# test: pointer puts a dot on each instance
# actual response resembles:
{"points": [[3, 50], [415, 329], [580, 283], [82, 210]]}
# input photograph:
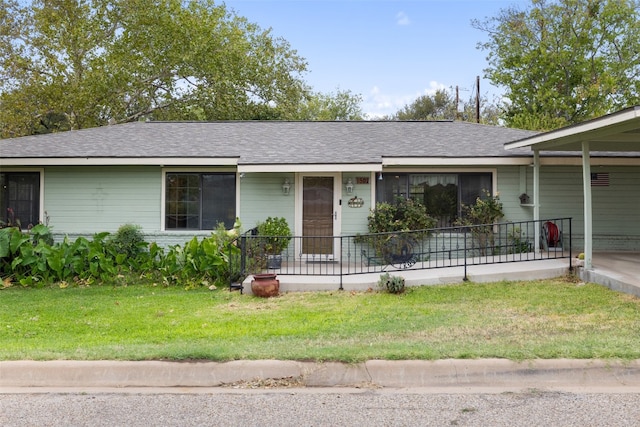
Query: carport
{"points": [[617, 132]]}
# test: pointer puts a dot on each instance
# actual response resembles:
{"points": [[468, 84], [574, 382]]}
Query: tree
{"points": [[489, 111], [442, 106], [439, 106], [342, 105], [73, 64], [564, 61]]}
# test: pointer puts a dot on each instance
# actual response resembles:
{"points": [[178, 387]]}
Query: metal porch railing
{"points": [[400, 251]]}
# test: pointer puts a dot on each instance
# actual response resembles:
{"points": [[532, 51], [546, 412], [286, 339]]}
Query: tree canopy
{"points": [[341, 105], [564, 61], [442, 105], [74, 64]]}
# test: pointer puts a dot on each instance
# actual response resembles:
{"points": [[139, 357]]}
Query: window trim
{"points": [[41, 208], [457, 171], [194, 170]]}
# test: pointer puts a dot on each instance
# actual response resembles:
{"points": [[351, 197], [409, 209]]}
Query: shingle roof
{"points": [[263, 142]]}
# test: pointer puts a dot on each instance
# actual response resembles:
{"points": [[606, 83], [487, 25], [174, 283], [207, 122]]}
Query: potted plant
{"points": [[275, 235]]}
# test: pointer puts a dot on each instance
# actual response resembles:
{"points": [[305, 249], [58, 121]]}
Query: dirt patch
{"points": [[286, 382]]}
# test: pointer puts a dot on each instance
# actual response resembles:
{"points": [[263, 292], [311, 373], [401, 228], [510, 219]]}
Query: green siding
{"points": [[86, 200], [615, 208], [261, 196], [509, 189], [354, 220], [94, 199]]}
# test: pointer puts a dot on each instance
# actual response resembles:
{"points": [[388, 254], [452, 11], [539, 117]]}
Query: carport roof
{"points": [[617, 132]]}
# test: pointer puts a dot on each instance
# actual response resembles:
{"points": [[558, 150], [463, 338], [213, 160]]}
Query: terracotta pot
{"points": [[265, 285]]}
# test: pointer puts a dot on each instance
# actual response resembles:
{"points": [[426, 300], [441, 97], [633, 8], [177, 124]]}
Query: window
{"points": [[20, 198], [200, 201], [443, 194]]}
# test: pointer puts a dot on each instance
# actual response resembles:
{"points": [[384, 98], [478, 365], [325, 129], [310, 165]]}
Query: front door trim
{"points": [[337, 213]]}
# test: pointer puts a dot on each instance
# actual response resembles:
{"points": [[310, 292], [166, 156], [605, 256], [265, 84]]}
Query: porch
{"points": [[488, 252], [619, 271]]}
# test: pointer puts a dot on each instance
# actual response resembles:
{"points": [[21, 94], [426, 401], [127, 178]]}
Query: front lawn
{"points": [[514, 320]]}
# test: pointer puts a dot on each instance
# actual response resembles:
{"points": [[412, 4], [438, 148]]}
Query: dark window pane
{"points": [[218, 200], [200, 201], [473, 186], [20, 194], [182, 201], [440, 196], [392, 186]]}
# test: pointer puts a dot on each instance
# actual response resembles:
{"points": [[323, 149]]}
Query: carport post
{"points": [[588, 220], [536, 200]]}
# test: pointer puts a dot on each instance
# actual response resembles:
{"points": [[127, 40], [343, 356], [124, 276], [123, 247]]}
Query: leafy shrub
{"points": [[32, 262], [277, 232], [487, 210], [403, 215], [41, 233], [396, 228], [27, 258], [129, 240], [392, 284], [518, 241], [202, 262], [23, 253]]}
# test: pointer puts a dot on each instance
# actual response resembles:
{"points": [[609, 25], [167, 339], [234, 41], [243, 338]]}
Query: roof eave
{"points": [[119, 161], [600, 130]]}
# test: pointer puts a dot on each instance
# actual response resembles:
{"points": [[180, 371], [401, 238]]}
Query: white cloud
{"points": [[402, 19], [378, 104], [434, 87]]}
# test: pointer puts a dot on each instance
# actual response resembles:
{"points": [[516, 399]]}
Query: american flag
{"points": [[600, 179]]}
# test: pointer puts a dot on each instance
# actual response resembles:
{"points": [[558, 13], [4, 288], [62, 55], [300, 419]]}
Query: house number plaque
{"points": [[355, 202]]}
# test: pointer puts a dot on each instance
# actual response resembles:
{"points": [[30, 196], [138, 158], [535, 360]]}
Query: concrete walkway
{"points": [[561, 374], [530, 270], [619, 271]]}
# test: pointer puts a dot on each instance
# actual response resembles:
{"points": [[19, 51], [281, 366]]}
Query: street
{"points": [[316, 407]]}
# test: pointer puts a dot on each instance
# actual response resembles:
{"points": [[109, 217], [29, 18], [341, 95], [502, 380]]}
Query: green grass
{"points": [[514, 320]]}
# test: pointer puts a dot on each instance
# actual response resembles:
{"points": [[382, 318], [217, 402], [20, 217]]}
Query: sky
{"points": [[390, 52]]}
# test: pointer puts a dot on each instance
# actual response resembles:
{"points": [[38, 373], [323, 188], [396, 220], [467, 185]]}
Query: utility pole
{"points": [[457, 103], [478, 99]]}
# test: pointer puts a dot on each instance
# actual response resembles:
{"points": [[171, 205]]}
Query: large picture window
{"points": [[200, 201], [443, 194], [19, 199]]}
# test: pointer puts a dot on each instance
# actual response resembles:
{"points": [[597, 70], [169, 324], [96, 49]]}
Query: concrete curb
{"points": [[448, 373], [615, 281]]}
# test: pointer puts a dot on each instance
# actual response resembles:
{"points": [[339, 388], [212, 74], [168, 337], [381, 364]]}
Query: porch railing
{"points": [[399, 251]]}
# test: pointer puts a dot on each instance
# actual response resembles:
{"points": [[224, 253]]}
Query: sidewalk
{"points": [[450, 374]]}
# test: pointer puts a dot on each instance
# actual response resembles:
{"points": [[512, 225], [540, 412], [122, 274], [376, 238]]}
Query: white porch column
{"points": [[536, 198], [588, 218]]}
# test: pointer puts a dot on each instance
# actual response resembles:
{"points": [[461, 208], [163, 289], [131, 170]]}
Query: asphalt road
{"points": [[316, 407]]}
